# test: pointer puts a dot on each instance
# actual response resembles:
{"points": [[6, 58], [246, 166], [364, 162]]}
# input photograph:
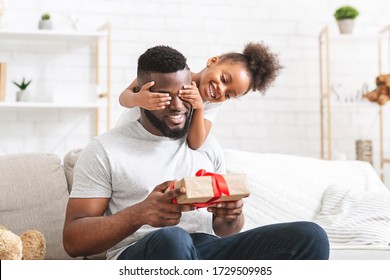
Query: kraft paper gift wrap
{"points": [[201, 190]]}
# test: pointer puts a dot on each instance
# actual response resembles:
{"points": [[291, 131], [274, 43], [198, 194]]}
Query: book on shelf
{"points": [[3, 72]]}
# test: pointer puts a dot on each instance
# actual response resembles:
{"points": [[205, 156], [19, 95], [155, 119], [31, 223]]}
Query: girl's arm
{"points": [[199, 130], [126, 98], [199, 127], [134, 96]]}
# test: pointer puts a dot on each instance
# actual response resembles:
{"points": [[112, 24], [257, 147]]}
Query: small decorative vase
{"points": [[364, 150], [346, 25], [45, 24], [22, 96]]}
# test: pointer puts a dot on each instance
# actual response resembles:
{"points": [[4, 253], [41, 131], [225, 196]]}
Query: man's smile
{"points": [[176, 118]]}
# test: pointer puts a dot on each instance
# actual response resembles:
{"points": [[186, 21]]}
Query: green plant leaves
{"points": [[346, 12], [23, 85]]}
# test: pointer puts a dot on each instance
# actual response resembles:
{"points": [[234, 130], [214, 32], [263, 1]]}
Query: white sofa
{"points": [[347, 198], [34, 193]]}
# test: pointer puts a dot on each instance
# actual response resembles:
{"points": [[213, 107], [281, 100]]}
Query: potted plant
{"points": [[345, 17], [45, 22], [22, 95]]}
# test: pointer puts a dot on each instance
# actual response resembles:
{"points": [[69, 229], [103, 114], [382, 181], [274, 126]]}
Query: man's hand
{"points": [[190, 93], [151, 100], [158, 209], [228, 217], [228, 211]]}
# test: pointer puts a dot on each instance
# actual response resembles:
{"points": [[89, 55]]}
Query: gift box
{"points": [[210, 188]]}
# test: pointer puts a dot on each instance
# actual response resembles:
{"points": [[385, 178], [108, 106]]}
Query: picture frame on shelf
{"points": [[3, 79]]}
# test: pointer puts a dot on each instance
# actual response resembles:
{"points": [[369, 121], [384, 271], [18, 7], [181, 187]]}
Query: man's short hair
{"points": [[161, 59]]}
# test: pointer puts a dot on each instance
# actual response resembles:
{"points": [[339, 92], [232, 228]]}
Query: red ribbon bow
{"points": [[219, 187]]}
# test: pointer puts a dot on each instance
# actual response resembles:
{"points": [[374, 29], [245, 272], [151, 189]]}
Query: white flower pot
{"points": [[45, 24], [22, 96], [346, 25]]}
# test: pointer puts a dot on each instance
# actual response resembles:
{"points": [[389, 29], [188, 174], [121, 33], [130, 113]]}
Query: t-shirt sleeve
{"points": [[128, 115], [211, 110], [92, 174]]}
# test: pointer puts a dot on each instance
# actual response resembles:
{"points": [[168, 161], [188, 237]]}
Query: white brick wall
{"points": [[285, 120]]}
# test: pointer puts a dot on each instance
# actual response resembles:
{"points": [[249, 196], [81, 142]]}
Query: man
{"points": [[119, 204]]}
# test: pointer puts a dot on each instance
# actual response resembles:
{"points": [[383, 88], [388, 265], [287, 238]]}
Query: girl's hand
{"points": [[190, 93], [151, 100]]}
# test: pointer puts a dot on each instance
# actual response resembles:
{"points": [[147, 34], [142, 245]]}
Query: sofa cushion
{"points": [[70, 160], [355, 217], [34, 195]]}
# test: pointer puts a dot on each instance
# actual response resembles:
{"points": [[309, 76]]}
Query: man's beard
{"points": [[176, 133]]}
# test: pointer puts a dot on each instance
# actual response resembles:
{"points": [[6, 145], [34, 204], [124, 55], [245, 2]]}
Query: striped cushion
{"points": [[355, 217]]}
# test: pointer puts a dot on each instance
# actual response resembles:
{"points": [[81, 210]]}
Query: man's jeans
{"points": [[286, 241]]}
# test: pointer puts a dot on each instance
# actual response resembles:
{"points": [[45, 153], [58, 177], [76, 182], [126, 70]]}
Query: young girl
{"points": [[227, 76]]}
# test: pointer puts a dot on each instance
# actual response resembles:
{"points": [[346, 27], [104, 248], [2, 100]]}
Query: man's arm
{"points": [[88, 232]]}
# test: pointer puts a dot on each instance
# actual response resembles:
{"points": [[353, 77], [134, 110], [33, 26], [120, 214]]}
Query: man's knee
{"points": [[312, 231], [173, 243], [314, 239], [174, 236]]}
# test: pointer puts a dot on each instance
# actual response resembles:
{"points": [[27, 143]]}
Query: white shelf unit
{"points": [[43, 105], [95, 38], [50, 35], [327, 105]]}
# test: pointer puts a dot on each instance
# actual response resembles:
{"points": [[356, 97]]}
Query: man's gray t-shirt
{"points": [[127, 163]]}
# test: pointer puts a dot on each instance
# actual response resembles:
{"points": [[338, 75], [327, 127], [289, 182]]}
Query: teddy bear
{"points": [[382, 93], [30, 245]]}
